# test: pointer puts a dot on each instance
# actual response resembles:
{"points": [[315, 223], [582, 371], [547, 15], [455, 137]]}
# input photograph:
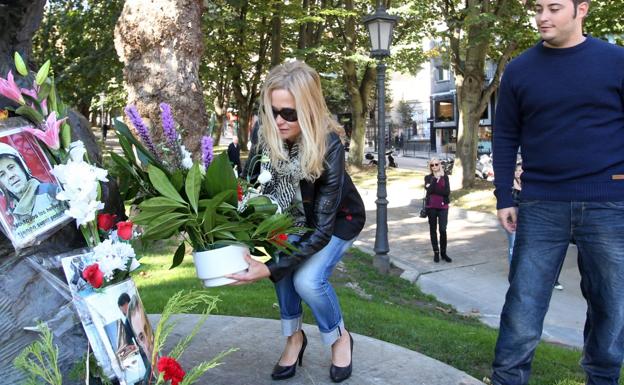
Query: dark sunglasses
{"points": [[434, 164], [288, 114]]}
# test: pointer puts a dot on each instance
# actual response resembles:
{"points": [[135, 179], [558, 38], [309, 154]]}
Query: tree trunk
{"points": [[469, 99], [160, 43], [246, 86], [358, 91], [220, 104], [276, 36]]}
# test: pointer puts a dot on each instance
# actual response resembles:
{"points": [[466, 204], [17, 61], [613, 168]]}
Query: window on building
{"points": [[441, 74], [444, 111]]}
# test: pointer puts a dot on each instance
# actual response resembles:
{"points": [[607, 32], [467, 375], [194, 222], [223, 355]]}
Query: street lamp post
{"points": [[380, 25]]}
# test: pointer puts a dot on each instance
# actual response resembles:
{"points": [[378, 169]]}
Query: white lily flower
{"points": [[80, 182]]}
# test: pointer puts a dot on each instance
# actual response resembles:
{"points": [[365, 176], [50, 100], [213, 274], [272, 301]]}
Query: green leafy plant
{"points": [[179, 303], [40, 360], [200, 200]]}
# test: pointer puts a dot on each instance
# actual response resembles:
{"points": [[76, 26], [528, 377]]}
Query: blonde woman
{"points": [[437, 203], [309, 180]]}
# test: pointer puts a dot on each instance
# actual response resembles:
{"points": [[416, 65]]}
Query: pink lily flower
{"points": [[30, 92], [51, 135], [34, 93], [10, 90]]}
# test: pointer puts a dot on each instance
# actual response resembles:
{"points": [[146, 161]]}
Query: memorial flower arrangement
{"points": [[40, 359], [200, 200], [114, 258], [80, 180], [40, 105]]}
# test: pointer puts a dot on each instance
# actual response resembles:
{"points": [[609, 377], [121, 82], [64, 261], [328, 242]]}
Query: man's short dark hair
{"points": [[577, 2], [124, 298]]}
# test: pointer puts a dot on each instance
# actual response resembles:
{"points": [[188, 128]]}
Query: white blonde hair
{"points": [[434, 160], [314, 118]]}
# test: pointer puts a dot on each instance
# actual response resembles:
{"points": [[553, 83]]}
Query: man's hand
{"points": [[508, 217], [255, 272]]}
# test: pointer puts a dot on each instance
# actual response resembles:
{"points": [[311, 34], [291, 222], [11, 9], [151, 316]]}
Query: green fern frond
{"points": [[40, 360]]}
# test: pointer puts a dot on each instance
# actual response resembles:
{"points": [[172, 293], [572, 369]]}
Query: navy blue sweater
{"points": [[564, 108]]}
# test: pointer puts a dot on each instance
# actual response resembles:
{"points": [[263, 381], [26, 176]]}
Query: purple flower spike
{"points": [[168, 124], [206, 150], [137, 122]]}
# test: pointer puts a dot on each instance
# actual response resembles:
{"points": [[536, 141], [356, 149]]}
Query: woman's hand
{"points": [[255, 272]]}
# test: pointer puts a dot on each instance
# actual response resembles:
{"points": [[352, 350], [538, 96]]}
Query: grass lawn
{"points": [[383, 307]]}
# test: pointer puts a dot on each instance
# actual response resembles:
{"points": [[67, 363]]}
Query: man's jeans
{"points": [[310, 282], [543, 234]]}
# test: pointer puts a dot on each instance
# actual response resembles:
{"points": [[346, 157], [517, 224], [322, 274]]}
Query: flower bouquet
{"points": [[199, 201]]}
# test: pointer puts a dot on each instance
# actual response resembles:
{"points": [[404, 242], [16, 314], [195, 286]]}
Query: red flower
{"points": [[280, 239], [172, 370], [93, 275], [239, 189], [106, 221], [124, 230]]}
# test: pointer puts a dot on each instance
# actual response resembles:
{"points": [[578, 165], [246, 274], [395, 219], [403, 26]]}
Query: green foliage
{"points": [[182, 302], [601, 21], [77, 35], [79, 370], [40, 360], [202, 205], [406, 112]]}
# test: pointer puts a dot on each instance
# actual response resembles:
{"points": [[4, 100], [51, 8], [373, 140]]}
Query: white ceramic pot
{"points": [[212, 265]]}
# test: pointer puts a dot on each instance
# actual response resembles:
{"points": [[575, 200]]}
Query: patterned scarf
{"points": [[284, 183]]}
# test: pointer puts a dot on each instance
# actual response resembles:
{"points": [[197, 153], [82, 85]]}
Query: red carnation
{"points": [[124, 230], [93, 275], [280, 239], [171, 369], [106, 222], [239, 189]]}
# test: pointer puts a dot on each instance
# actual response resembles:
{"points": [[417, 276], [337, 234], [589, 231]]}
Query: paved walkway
{"points": [[375, 362], [476, 281]]}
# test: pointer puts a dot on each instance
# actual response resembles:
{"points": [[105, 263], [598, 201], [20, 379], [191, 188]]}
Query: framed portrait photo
{"points": [[115, 322], [29, 210]]}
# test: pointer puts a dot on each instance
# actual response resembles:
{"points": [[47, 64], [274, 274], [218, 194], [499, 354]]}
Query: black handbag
{"points": [[423, 210]]}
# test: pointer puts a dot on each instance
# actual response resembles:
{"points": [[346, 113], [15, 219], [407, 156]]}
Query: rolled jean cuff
{"points": [[290, 326], [332, 336]]}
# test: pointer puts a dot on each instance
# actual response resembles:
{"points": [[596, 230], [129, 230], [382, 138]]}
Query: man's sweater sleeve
{"points": [[506, 140]]}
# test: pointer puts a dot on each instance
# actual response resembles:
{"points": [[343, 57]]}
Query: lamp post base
{"points": [[382, 263]]}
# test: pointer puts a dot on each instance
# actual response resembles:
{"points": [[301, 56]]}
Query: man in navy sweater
{"points": [[562, 103]]}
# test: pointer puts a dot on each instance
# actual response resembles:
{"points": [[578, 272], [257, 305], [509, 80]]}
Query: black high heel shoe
{"points": [[283, 372], [338, 373]]}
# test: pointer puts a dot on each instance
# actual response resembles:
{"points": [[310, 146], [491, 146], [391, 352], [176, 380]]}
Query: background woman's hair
{"points": [[314, 118]]}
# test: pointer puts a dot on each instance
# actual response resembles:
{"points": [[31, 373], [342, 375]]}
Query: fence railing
{"points": [[411, 147]]}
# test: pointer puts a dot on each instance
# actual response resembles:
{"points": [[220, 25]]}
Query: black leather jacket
{"points": [[332, 206], [434, 188]]}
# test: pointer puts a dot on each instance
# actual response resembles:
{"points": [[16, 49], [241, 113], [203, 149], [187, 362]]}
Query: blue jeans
{"points": [[543, 233], [310, 283]]}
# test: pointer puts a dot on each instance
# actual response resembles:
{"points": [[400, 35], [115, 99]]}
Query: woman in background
{"points": [[437, 203]]}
